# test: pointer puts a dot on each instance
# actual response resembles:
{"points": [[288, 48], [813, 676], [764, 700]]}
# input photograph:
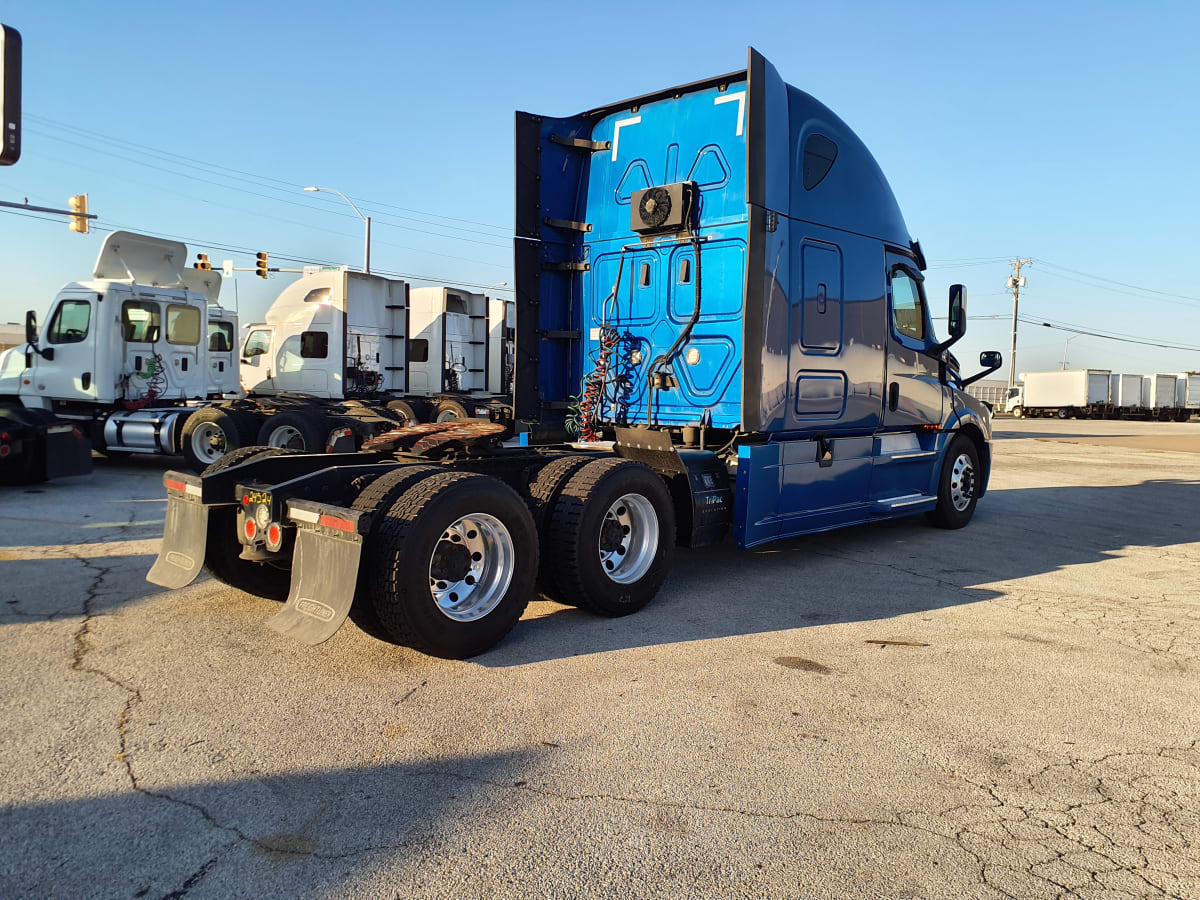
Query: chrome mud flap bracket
{"points": [[329, 542], [185, 533]]}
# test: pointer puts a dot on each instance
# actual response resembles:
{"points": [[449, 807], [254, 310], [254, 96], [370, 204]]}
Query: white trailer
{"points": [[1077, 393], [1187, 392], [1158, 392], [1125, 391]]}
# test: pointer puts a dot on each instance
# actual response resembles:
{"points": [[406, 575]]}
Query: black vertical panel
{"points": [[528, 218], [526, 404]]}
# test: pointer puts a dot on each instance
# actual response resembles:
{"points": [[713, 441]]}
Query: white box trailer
{"points": [[1074, 392], [1158, 391], [1125, 391], [1187, 390]]}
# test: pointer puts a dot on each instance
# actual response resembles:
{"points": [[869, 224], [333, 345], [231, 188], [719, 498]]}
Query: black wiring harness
{"points": [[584, 411], [156, 383]]}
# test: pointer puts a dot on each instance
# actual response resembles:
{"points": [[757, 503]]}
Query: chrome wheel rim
{"points": [[962, 482], [471, 567], [286, 436], [628, 538], [447, 415], [208, 442]]}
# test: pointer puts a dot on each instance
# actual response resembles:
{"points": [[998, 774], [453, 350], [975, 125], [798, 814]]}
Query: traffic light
{"points": [[261, 264], [79, 222], [202, 263]]}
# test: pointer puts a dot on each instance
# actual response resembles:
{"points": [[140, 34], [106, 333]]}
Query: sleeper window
{"points": [[314, 344], [140, 321], [183, 325]]}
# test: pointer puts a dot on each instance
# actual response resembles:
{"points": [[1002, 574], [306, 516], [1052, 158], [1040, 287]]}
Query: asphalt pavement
{"points": [[1009, 710]]}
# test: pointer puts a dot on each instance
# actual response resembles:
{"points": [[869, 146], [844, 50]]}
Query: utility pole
{"points": [[1016, 281]]}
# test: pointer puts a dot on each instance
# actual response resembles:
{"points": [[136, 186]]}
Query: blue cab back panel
{"points": [[793, 214]]}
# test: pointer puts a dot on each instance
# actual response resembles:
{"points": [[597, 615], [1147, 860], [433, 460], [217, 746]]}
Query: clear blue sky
{"points": [[1067, 132]]}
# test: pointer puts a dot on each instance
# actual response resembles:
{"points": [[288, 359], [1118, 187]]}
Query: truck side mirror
{"points": [[958, 311], [31, 334]]}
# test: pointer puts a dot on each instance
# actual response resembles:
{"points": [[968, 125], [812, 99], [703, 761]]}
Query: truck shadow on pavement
{"points": [[55, 587], [162, 838], [873, 572]]}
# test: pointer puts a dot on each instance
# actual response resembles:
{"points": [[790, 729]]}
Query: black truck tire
{"points": [[542, 495], [958, 485], [450, 411], [210, 433], [444, 531], [406, 411], [222, 549], [296, 431], [612, 537], [381, 491]]}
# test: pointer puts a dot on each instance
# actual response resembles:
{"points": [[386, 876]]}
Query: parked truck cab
{"points": [[121, 354], [721, 327]]}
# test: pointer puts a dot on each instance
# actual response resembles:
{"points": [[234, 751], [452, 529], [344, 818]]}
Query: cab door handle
{"points": [[893, 395]]}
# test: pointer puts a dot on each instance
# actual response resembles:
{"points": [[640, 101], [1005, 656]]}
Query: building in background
{"points": [[12, 334]]}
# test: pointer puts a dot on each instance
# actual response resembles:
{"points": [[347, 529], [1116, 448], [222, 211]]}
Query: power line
{"points": [[107, 226], [1110, 337], [1136, 287], [258, 179], [307, 206]]}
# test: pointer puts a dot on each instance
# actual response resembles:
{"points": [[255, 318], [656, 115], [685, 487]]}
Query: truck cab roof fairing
{"points": [[851, 194]]}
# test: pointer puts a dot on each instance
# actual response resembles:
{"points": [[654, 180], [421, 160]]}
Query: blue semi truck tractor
{"points": [[721, 326]]}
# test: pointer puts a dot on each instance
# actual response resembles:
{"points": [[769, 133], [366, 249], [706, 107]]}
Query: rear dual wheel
{"points": [[450, 566], [210, 433], [611, 538], [295, 431]]}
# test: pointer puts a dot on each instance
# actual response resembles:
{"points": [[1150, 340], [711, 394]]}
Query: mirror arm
{"points": [[983, 374]]}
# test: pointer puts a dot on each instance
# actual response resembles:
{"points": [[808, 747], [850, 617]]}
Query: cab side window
{"points": [[908, 306], [70, 323], [258, 343]]}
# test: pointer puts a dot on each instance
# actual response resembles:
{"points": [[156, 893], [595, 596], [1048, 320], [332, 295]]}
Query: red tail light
{"points": [[250, 529]]}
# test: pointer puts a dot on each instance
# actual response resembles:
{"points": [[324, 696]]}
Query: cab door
{"points": [[256, 372], [222, 364], [70, 334], [913, 397], [141, 333]]}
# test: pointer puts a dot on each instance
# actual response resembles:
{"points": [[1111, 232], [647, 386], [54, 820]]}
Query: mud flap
{"points": [[329, 544], [185, 534]]}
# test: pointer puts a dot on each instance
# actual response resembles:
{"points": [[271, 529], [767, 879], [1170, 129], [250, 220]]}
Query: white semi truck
{"points": [[141, 359]]}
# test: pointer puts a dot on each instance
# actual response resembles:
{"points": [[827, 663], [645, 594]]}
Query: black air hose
{"points": [[679, 341]]}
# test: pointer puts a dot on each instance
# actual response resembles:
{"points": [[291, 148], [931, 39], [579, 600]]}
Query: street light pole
{"points": [[366, 220], [1066, 344]]}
